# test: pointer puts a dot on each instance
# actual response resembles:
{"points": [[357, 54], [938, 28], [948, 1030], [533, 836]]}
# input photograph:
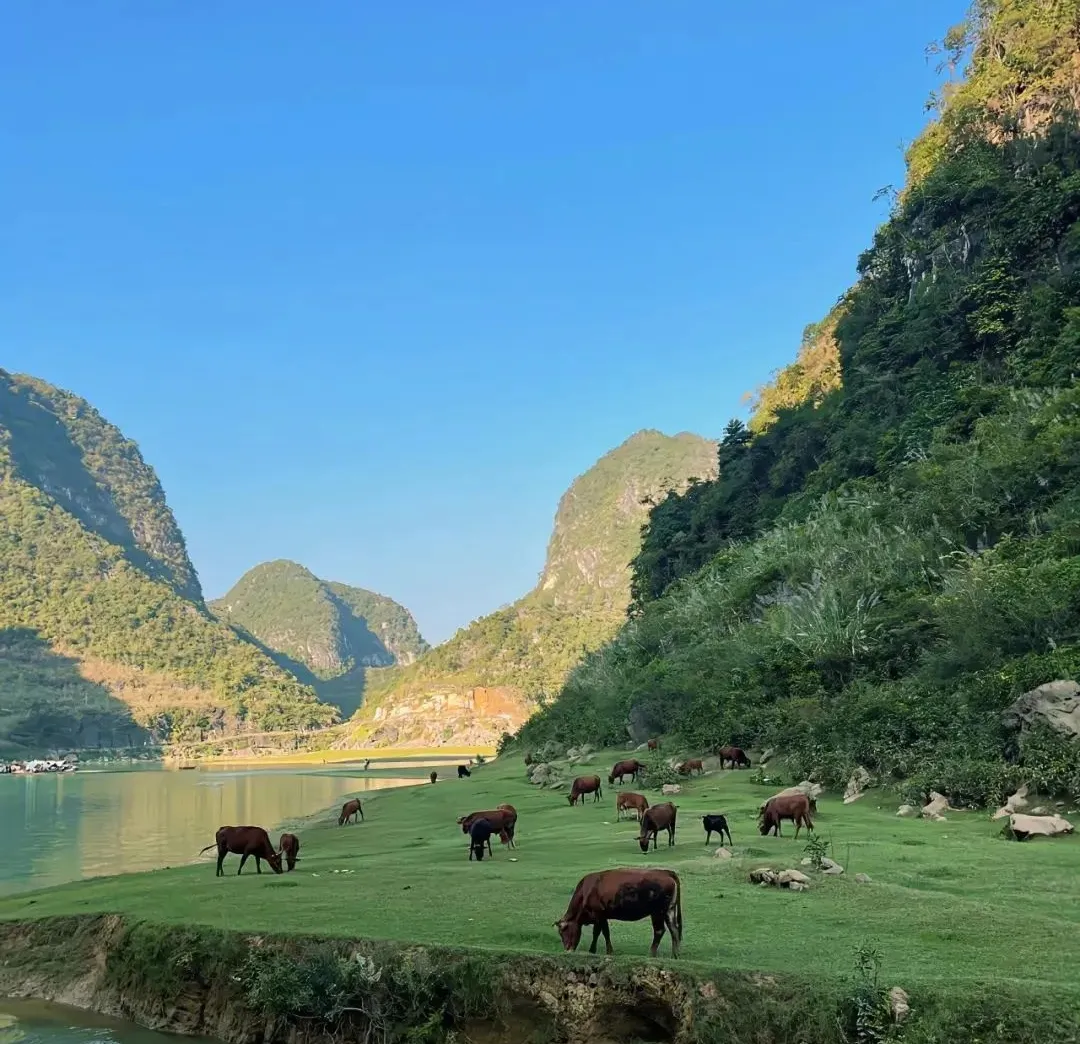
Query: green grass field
{"points": [[948, 902]]}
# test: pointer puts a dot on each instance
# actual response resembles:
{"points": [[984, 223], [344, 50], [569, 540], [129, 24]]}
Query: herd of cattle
{"points": [[609, 895]]}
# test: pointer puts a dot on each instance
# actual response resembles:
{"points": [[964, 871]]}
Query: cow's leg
{"points": [[243, 860], [360, 812], [671, 835], [675, 940], [258, 865], [607, 937], [595, 937], [221, 853], [658, 919], [708, 834]]}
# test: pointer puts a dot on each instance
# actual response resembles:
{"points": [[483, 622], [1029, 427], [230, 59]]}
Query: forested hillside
{"points": [[891, 552], [491, 674], [326, 634], [104, 639]]}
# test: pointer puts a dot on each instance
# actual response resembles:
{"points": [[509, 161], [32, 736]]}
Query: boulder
{"points": [[766, 756], [641, 746], [763, 875], [898, 1004], [787, 877], [862, 878], [860, 780], [1016, 803], [1056, 704], [1022, 827], [937, 804], [797, 886], [812, 790], [907, 811], [541, 774], [829, 866], [722, 853], [671, 788]]}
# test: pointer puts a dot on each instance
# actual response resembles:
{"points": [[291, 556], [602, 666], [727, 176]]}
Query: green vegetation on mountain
{"points": [[581, 598], [103, 634], [883, 566], [327, 634]]}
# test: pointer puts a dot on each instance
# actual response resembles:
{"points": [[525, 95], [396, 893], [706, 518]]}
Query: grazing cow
{"points": [[632, 802], [655, 819], [688, 768], [528, 760], [795, 807], [349, 811], [503, 822], [434, 776], [736, 755], [289, 846], [624, 895], [480, 832], [717, 824], [463, 771], [653, 744], [244, 841], [629, 768], [367, 764], [585, 785]]}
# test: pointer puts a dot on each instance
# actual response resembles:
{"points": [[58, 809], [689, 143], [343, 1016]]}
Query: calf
{"points": [[289, 845], [463, 771], [736, 755], [349, 811], [632, 802], [480, 832], [655, 819], [244, 841], [717, 824], [585, 785], [653, 744], [434, 776], [688, 768], [624, 895], [795, 807], [629, 768], [503, 822]]}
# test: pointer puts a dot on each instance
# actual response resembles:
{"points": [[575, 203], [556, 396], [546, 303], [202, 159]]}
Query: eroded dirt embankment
{"points": [[244, 989]]}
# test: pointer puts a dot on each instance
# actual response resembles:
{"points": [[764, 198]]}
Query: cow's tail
{"points": [[207, 848], [678, 909]]}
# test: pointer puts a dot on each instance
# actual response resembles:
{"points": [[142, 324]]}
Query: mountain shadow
{"points": [[46, 704]]}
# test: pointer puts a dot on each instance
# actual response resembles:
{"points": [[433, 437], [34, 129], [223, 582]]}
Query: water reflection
{"points": [[62, 827], [35, 1022]]}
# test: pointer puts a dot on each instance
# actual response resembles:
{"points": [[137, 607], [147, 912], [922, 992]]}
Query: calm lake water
{"points": [[34, 1022], [62, 827]]}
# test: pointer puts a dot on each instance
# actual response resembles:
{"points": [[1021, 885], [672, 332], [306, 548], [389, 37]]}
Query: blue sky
{"points": [[370, 284]]}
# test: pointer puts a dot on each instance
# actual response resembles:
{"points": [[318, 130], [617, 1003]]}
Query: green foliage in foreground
{"points": [[943, 905]]}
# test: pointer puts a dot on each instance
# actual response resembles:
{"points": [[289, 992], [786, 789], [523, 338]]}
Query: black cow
{"points": [[463, 771], [717, 824]]}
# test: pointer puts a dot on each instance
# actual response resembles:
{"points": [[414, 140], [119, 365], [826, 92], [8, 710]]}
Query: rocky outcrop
{"points": [[1056, 704], [1022, 827]]}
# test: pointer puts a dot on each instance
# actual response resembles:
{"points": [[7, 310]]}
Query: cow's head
{"points": [[644, 842], [611, 777], [274, 859], [572, 798], [570, 932]]}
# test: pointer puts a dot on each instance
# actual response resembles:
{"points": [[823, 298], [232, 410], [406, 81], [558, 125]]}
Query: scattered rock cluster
{"points": [[793, 880]]}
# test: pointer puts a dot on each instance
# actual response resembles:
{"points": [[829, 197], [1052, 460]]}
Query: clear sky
{"points": [[371, 283]]}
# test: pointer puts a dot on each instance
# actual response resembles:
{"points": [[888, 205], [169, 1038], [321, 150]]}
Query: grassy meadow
{"points": [[947, 903]]}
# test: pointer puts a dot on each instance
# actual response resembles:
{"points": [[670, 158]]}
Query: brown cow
{"points": [[629, 768], [585, 785], [349, 811], [244, 841], [624, 895], [653, 744], [434, 776], [503, 821], [736, 755], [795, 807], [655, 819], [289, 846], [688, 768], [632, 802]]}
